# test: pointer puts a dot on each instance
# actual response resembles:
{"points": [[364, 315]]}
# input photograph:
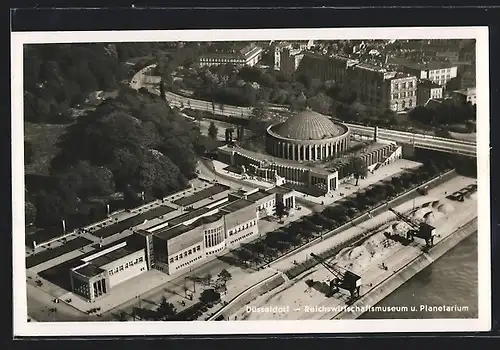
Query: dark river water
{"points": [[450, 281]]}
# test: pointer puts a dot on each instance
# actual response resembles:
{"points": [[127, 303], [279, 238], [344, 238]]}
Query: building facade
{"points": [[250, 55], [373, 85], [465, 95], [98, 273], [428, 90], [307, 136], [437, 72], [303, 151]]}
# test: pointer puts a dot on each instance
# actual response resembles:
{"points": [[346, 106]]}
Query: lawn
{"points": [[43, 138]]}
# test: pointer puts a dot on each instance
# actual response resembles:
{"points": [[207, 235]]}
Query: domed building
{"points": [[307, 136]]}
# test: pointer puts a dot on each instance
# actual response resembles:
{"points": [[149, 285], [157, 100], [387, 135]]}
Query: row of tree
{"points": [[299, 232]]}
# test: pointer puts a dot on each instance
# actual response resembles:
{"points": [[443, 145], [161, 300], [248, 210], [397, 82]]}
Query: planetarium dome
{"points": [[308, 125], [307, 136]]}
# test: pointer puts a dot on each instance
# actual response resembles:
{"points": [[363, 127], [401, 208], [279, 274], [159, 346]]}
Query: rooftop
{"points": [[308, 125], [236, 205], [200, 195], [429, 84], [193, 214], [89, 270], [111, 256], [432, 65], [258, 195], [132, 221], [171, 232], [279, 190]]}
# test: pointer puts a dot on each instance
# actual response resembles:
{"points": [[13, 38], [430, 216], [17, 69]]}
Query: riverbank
{"points": [[405, 273]]}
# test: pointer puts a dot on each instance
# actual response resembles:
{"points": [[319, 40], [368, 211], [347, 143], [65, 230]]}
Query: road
{"points": [[419, 140]]}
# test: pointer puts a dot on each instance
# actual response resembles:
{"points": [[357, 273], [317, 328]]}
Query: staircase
{"points": [[387, 159]]}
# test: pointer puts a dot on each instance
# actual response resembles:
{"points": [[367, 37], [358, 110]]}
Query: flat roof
{"points": [[188, 216], [200, 195], [257, 195], [279, 190], [171, 232], [111, 256], [89, 270], [132, 221], [237, 205]]}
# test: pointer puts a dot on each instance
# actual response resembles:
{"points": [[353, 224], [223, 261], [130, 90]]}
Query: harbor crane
{"points": [[342, 278], [418, 228]]}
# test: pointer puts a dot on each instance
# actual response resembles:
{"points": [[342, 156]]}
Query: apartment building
{"points": [[374, 86], [437, 72], [465, 95], [428, 90]]}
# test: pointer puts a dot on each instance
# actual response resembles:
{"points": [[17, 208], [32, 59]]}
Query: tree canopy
{"points": [[133, 143]]}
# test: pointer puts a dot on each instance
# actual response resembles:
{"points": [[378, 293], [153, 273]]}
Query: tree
{"points": [[212, 131], [358, 168], [258, 117], [209, 296], [29, 213], [165, 311], [225, 275], [281, 210]]}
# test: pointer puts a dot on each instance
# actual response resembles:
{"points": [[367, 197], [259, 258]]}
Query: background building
{"points": [[373, 85], [437, 72], [465, 95], [428, 90], [249, 55]]}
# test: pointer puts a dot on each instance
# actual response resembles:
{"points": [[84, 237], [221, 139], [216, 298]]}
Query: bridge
{"points": [[417, 140]]}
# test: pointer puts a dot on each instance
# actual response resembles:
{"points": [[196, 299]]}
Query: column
{"points": [[303, 152], [293, 152]]}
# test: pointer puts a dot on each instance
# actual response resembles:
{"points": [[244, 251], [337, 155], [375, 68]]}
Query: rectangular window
{"points": [[176, 258], [140, 259], [198, 248], [126, 265], [185, 254], [121, 268], [110, 272], [171, 260], [116, 269]]}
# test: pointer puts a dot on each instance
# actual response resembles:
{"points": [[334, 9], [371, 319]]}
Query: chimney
{"points": [[375, 134], [63, 226], [107, 209]]}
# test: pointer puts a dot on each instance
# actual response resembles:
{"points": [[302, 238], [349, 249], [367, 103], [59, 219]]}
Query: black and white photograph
{"points": [[257, 181]]}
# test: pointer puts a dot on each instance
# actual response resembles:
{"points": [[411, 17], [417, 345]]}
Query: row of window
{"points": [[404, 94], [242, 227], [242, 237], [266, 205], [213, 230], [188, 263], [185, 254], [215, 251], [403, 104], [437, 71], [126, 266], [405, 85]]}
